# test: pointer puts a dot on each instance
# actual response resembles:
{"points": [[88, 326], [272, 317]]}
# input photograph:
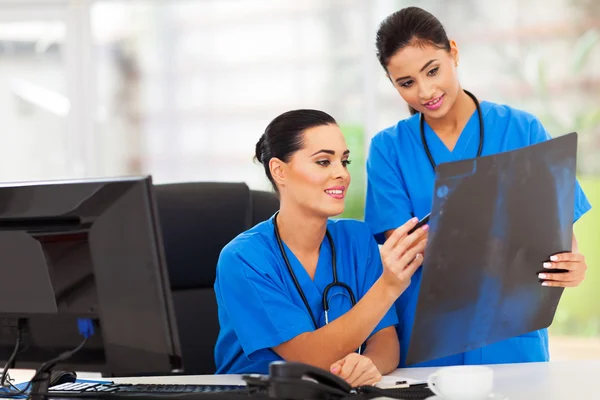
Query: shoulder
{"points": [[248, 247], [398, 132], [515, 121], [504, 111]]}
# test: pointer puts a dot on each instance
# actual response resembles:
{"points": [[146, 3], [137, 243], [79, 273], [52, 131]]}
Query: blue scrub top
{"points": [[400, 186], [259, 305]]}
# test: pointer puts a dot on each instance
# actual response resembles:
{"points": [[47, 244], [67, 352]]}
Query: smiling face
{"points": [[425, 76], [316, 177]]}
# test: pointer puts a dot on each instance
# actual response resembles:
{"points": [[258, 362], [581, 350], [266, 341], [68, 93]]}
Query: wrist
{"points": [[391, 287], [381, 362]]}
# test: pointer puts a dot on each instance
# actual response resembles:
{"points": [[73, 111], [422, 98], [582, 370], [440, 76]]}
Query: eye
{"points": [[345, 163], [406, 84], [433, 72], [323, 163]]}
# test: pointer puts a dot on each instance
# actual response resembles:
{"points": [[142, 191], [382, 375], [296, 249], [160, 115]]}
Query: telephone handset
{"points": [[291, 380]]}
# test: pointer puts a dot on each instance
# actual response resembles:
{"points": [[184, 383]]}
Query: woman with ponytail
{"points": [[447, 124], [301, 287]]}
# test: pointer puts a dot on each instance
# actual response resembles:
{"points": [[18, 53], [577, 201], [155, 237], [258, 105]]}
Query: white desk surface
{"points": [[556, 380]]}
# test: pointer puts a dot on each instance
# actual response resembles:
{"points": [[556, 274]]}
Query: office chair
{"points": [[197, 220], [264, 205]]}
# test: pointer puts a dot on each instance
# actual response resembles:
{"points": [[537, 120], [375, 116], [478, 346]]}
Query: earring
{"points": [[457, 63]]}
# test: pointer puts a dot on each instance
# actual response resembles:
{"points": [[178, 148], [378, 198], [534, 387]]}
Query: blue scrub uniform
{"points": [[400, 186], [259, 305]]}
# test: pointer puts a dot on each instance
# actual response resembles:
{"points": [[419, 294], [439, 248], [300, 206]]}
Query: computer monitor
{"points": [[86, 249]]}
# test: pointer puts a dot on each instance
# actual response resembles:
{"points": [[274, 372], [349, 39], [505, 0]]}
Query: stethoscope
{"points": [[426, 146], [327, 288]]}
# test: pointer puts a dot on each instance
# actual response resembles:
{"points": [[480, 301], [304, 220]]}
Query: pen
{"points": [[419, 224]]}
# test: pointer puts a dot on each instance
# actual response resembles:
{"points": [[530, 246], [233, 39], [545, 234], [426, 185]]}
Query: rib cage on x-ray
{"points": [[494, 221]]}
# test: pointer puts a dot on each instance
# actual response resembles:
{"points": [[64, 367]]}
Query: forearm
{"points": [[384, 350], [345, 334]]}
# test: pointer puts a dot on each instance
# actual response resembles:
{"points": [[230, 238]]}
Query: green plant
{"points": [[579, 309], [355, 198]]}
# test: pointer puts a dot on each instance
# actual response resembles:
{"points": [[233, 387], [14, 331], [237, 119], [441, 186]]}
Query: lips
{"points": [[336, 192], [435, 103]]}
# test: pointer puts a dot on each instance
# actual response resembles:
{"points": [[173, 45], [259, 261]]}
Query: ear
{"points": [[454, 52], [278, 171]]}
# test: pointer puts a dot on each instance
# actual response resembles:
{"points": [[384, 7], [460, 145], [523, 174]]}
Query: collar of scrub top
{"points": [[481, 131]]}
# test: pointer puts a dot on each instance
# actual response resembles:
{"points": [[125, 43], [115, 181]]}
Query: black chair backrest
{"points": [[264, 205], [198, 219]]}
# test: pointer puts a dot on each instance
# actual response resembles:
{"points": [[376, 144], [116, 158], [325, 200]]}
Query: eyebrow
{"points": [[422, 69], [329, 152]]}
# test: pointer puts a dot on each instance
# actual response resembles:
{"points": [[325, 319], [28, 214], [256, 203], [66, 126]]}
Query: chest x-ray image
{"points": [[494, 221]]}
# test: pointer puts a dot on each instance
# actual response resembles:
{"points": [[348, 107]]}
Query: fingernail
{"points": [[554, 258], [547, 265], [544, 283], [414, 219], [542, 276], [334, 370], [425, 228]]}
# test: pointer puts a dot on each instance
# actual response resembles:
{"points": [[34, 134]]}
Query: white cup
{"points": [[462, 382]]}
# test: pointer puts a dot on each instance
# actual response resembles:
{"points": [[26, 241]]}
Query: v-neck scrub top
{"points": [[259, 305], [400, 181]]}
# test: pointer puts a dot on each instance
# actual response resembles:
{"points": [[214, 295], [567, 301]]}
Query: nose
{"points": [[426, 91], [341, 172]]}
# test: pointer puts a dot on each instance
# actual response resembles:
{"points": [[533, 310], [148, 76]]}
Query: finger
{"points": [[408, 242], [369, 377], [561, 277], [414, 265], [362, 367], [336, 367], [561, 284], [425, 236], [372, 381], [348, 367], [399, 233], [408, 263], [411, 254], [566, 257], [567, 265], [424, 240]]}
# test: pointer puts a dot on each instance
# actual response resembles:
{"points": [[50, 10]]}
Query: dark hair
{"points": [[409, 26], [284, 136]]}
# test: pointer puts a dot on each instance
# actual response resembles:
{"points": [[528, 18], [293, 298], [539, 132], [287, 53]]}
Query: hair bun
{"points": [[259, 151]]}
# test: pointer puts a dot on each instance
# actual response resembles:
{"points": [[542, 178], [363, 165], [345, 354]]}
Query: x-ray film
{"points": [[494, 221]]}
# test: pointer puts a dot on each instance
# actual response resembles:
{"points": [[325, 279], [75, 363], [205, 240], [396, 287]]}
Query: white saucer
{"points": [[492, 396]]}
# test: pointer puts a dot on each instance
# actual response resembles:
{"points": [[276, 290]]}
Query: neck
{"points": [[452, 124], [302, 233]]}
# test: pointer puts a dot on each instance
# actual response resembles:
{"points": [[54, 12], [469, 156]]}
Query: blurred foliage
{"points": [[586, 120], [355, 198], [578, 313], [558, 115]]}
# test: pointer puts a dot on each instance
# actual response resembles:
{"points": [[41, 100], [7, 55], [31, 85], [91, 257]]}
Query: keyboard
{"points": [[109, 387]]}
